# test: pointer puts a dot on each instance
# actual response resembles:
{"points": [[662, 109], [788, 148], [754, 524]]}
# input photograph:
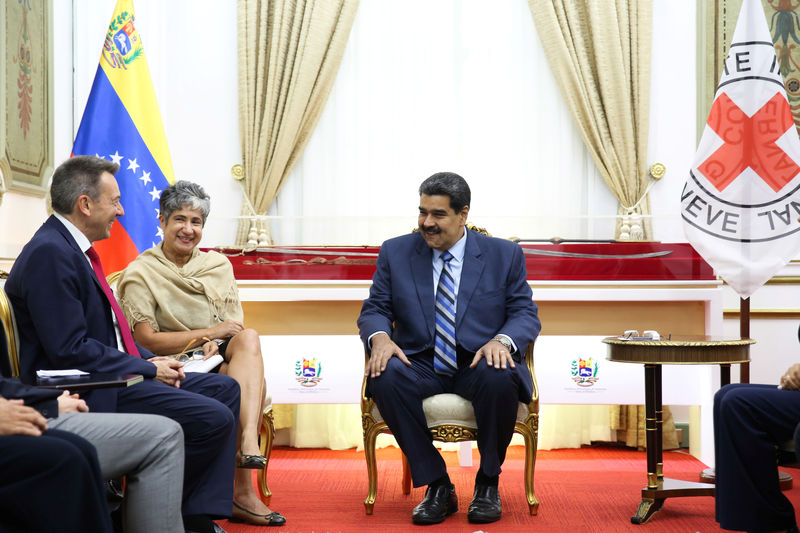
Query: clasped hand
{"points": [[791, 379], [169, 370], [16, 418]]}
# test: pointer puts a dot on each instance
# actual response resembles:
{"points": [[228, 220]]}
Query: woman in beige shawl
{"points": [[177, 298]]}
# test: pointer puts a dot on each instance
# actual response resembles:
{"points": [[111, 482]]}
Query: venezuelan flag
{"points": [[122, 123]]}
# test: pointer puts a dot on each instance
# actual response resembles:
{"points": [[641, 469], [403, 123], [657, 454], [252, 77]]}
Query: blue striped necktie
{"points": [[444, 358]]}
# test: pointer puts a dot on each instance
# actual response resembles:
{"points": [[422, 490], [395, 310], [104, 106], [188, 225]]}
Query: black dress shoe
{"points": [[485, 505], [439, 502]]}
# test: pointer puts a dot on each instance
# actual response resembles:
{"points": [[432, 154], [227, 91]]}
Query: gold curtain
{"points": [[629, 422], [289, 54], [599, 52]]}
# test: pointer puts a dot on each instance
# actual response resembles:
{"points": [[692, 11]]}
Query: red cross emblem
{"points": [[750, 142]]}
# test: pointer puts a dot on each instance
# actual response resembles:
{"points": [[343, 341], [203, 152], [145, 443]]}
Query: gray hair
{"points": [[184, 195], [448, 184], [75, 177]]}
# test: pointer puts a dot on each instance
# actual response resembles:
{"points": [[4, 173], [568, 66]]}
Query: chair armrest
{"points": [[533, 406]]}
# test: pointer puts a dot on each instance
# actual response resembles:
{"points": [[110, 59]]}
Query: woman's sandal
{"points": [[249, 517], [251, 461]]}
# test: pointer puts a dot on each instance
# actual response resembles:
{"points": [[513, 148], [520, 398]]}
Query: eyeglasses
{"points": [[189, 354]]}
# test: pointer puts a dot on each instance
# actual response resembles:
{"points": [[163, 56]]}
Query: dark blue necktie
{"points": [[444, 359]]}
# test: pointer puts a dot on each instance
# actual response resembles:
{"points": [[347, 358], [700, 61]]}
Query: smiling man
{"points": [[69, 318], [449, 310]]}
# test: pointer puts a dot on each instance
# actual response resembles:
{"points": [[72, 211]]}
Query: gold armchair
{"points": [[266, 435], [451, 419], [9, 363]]}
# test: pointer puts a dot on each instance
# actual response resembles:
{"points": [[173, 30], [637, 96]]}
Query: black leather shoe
{"points": [[439, 502], [485, 505]]}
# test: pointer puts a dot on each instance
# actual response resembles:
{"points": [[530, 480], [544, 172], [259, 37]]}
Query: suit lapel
{"points": [[422, 271], [471, 272], [56, 224]]}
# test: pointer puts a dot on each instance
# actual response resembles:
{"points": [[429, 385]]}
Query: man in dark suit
{"points": [[749, 421], [45, 431], [449, 310], [66, 320], [68, 497]]}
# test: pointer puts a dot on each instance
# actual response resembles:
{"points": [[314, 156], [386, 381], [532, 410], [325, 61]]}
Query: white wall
{"points": [[672, 110]]}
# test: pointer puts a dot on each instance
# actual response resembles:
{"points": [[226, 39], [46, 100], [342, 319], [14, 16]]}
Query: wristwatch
{"points": [[505, 342]]}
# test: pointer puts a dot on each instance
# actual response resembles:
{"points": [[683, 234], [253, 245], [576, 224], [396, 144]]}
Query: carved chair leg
{"points": [[529, 433], [406, 476], [370, 436], [266, 436]]}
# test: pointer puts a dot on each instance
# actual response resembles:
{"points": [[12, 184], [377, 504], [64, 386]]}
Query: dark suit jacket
{"points": [[493, 297], [63, 315]]}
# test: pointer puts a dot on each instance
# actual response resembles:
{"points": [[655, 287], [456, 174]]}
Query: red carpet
{"points": [[589, 489]]}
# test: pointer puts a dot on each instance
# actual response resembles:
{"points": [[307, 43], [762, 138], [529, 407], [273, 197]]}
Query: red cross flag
{"points": [[741, 202]]}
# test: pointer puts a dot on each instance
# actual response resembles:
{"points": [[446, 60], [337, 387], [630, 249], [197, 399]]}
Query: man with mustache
{"points": [[449, 310]]}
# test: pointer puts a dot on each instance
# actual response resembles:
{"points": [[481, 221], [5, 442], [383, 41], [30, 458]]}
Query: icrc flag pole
{"points": [[122, 123], [741, 201]]}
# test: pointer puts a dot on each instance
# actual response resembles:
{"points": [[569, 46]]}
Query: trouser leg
{"points": [[494, 394], [51, 483], [748, 421], [207, 408], [148, 450], [398, 393]]}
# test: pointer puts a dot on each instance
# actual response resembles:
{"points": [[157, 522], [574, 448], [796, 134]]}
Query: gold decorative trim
{"points": [[784, 280], [650, 362], [658, 170], [780, 280], [237, 172], [689, 351], [469, 225], [763, 313], [679, 343], [5, 170], [453, 433], [482, 231], [7, 323]]}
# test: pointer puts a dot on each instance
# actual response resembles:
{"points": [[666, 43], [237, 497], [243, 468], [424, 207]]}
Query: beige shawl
{"points": [[199, 295]]}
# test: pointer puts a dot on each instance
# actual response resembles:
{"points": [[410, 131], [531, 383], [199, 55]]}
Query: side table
{"points": [[677, 350]]}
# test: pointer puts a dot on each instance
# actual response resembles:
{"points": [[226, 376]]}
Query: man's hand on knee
{"points": [[383, 349], [496, 355]]}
